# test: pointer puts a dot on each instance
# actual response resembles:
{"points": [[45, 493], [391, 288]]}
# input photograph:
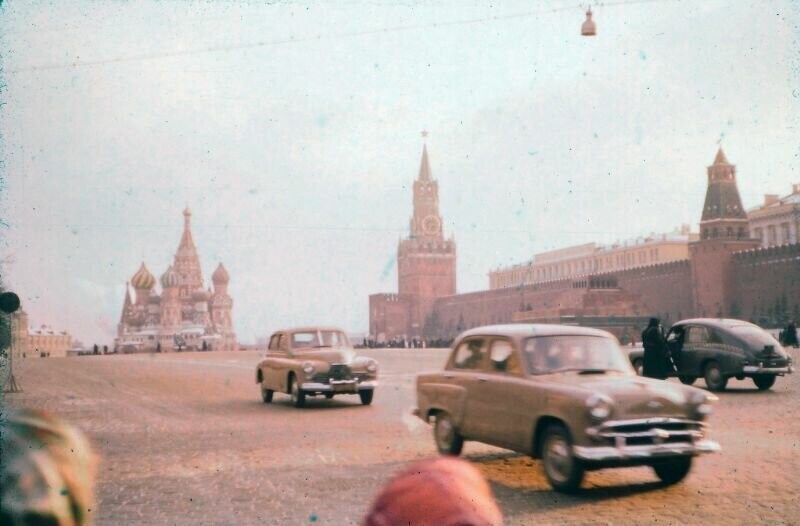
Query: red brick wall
{"points": [[712, 274], [498, 305], [388, 315], [766, 284], [665, 289]]}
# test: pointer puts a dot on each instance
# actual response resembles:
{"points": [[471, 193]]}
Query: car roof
{"points": [[309, 329], [522, 330], [719, 323]]}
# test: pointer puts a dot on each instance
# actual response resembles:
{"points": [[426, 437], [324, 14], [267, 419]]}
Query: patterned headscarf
{"points": [[46, 473], [441, 492]]}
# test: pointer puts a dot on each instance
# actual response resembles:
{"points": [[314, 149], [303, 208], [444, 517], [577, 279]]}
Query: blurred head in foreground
{"points": [[46, 472], [443, 492]]}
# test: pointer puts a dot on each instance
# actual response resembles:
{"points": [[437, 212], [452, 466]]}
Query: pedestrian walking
{"points": [[656, 359]]}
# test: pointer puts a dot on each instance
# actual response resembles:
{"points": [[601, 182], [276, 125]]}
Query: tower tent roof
{"points": [[424, 166], [720, 158], [722, 195]]}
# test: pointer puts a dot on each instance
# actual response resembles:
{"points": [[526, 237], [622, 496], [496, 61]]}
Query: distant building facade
{"points": [[42, 342], [47, 342], [777, 221], [722, 271], [580, 260], [185, 315], [19, 334]]}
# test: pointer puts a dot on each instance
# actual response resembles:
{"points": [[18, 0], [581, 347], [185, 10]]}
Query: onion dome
{"points": [[143, 279], [169, 279], [220, 276]]}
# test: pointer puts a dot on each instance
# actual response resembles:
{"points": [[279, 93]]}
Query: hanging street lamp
{"points": [[588, 28]]}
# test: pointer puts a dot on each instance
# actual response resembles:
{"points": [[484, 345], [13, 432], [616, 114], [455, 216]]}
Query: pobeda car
{"points": [[720, 349], [567, 395], [315, 361]]}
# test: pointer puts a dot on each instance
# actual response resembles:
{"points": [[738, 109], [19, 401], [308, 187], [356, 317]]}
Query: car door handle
{"points": [[483, 379], [449, 376]]}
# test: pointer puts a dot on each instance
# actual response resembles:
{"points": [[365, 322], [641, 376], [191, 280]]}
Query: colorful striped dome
{"points": [[143, 279], [169, 279]]}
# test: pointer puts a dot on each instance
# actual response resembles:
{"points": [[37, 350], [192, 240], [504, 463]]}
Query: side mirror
{"points": [[9, 302]]}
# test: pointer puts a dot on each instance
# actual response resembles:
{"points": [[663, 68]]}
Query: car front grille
{"points": [[337, 372], [649, 432]]}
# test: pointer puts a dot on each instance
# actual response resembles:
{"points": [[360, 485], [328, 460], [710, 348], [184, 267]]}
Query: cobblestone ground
{"points": [[185, 439]]}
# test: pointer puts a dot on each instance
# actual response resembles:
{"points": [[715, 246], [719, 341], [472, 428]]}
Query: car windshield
{"points": [[552, 354], [754, 336], [323, 338]]}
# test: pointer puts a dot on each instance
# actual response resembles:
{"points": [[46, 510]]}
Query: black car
{"points": [[720, 349]]}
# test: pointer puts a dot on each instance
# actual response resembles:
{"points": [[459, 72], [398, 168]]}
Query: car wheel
{"points": [[715, 380], [562, 469], [298, 395], [687, 379], [638, 365], [366, 396], [328, 395], [764, 381], [448, 441], [266, 395], [673, 471]]}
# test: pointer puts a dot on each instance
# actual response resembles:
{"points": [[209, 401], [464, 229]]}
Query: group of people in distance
{"points": [[48, 471]]}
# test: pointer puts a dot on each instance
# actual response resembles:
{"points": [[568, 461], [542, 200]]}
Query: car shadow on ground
{"points": [[743, 391], [284, 403], [519, 480]]}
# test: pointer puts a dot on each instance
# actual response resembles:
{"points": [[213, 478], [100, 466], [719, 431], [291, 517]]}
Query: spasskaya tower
{"points": [[426, 261]]}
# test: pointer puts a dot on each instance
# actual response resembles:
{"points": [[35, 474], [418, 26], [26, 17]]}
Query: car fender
{"points": [[449, 398]]}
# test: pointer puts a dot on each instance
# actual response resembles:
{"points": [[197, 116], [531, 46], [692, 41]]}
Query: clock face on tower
{"points": [[431, 225]]}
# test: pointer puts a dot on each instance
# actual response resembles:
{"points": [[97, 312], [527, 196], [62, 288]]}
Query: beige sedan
{"points": [[315, 361], [567, 395]]}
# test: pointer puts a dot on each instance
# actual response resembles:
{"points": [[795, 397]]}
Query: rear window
{"points": [[754, 336]]}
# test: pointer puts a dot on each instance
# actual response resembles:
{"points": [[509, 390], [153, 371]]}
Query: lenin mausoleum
{"points": [[724, 271], [185, 315]]}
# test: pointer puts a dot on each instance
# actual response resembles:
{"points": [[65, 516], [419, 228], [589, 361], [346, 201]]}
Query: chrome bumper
{"points": [[340, 386], [757, 369], [622, 452]]}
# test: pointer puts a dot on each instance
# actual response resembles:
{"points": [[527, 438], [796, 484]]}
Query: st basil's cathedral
{"points": [[186, 315]]}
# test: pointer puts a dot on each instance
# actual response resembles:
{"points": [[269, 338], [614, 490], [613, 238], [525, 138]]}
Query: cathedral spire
{"points": [[186, 238], [126, 306], [187, 263]]}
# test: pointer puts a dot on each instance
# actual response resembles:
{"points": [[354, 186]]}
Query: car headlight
{"points": [[308, 367], [599, 406], [702, 403], [372, 366]]}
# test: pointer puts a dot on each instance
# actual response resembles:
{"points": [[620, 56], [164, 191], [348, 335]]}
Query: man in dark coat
{"points": [[656, 362], [790, 335]]}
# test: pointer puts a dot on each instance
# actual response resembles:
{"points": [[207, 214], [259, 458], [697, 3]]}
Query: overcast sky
{"points": [[297, 154]]}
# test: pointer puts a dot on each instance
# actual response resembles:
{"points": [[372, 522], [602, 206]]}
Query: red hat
{"points": [[442, 492]]}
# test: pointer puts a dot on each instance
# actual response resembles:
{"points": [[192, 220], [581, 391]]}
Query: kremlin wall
{"points": [[722, 272]]}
